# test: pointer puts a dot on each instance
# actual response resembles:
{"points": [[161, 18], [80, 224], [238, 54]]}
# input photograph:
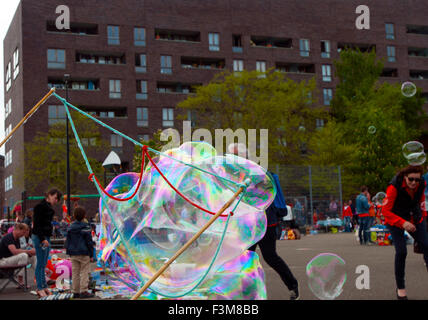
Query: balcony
{"points": [[202, 63], [389, 73], [418, 74], [177, 35], [300, 68], [107, 112], [85, 29], [418, 52], [176, 87], [353, 46], [100, 58], [74, 84], [269, 42], [415, 29]]}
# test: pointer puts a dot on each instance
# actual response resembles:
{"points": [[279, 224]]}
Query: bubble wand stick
{"points": [[188, 243]]}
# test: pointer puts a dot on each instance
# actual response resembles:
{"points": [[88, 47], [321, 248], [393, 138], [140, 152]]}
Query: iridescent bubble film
{"points": [[414, 152], [408, 89], [326, 276], [139, 235], [371, 130], [380, 199]]}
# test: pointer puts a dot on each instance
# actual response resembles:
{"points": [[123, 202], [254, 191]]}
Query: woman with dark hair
{"points": [[42, 231], [404, 209]]}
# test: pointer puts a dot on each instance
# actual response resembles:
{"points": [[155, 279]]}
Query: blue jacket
{"points": [[362, 204], [79, 240], [278, 208]]}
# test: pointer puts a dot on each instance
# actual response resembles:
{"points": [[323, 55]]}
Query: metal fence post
{"points": [[340, 192], [310, 194]]}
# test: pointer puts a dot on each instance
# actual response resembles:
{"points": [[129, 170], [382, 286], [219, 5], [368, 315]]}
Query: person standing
{"points": [[405, 210], [362, 208], [268, 244], [42, 231], [80, 247], [347, 216]]}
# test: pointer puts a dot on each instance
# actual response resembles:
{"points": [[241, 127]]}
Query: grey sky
{"points": [[7, 10]]}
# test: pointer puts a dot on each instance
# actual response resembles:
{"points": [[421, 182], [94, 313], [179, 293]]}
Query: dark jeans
{"points": [[363, 230], [268, 248], [399, 241], [42, 255]]}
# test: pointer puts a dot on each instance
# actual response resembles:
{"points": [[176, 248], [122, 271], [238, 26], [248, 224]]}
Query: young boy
{"points": [[80, 247]]}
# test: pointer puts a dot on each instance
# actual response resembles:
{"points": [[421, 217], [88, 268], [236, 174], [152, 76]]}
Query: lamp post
{"points": [[66, 78], [111, 160]]}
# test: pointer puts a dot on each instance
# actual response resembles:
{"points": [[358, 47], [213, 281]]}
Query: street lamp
{"points": [[66, 78], [111, 160]]}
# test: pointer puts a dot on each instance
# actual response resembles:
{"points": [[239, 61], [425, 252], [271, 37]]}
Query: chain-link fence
{"points": [[314, 193]]}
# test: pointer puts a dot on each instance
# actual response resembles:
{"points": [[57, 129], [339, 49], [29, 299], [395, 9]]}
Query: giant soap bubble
{"points": [[380, 199], [414, 153], [408, 89], [138, 236], [326, 276]]}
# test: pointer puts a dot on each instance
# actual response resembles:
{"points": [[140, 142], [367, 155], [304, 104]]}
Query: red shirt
{"points": [[390, 217], [347, 211]]}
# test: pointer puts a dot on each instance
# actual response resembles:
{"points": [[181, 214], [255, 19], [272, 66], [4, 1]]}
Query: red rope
{"points": [[136, 189], [182, 195], [146, 153]]}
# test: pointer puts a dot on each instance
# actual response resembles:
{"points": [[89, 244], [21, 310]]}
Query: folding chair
{"points": [[9, 273]]}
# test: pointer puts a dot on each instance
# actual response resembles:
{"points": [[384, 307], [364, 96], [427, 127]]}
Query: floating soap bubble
{"points": [[380, 199], [326, 276], [408, 89], [414, 153], [140, 234], [372, 130]]}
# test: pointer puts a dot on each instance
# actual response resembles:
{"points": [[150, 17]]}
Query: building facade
{"points": [[130, 62]]}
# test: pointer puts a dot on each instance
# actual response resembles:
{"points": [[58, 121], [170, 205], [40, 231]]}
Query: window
{"points": [[142, 89], [238, 65], [389, 28], [326, 72], [140, 37], [8, 130], [391, 53], [8, 183], [261, 66], [304, 47], [113, 35], [319, 123], [115, 89], [168, 117], [166, 65], [56, 114], [56, 59], [142, 117], [328, 95], [116, 143], [214, 41], [191, 116], [236, 43], [141, 63], [8, 76], [8, 108], [8, 159], [143, 137], [325, 49], [15, 63]]}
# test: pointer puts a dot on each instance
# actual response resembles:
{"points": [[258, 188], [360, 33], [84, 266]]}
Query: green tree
{"points": [[45, 155], [252, 100], [153, 143]]}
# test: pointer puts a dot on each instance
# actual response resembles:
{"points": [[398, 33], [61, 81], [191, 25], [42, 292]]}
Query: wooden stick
{"points": [[188, 243], [34, 109]]}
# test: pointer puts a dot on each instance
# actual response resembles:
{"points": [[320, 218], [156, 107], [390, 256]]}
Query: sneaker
{"points": [[295, 294], [86, 295]]}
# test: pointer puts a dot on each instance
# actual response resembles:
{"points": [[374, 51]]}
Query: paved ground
{"points": [[297, 253]]}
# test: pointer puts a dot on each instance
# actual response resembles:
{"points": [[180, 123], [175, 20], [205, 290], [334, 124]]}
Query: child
{"points": [[80, 247]]}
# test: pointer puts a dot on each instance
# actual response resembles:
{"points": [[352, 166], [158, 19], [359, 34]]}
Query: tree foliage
{"points": [[252, 100], [45, 164]]}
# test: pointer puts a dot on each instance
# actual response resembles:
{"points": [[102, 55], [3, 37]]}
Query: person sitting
{"points": [[11, 253]]}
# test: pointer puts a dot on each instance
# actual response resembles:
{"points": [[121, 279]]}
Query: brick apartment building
{"points": [[131, 61]]}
